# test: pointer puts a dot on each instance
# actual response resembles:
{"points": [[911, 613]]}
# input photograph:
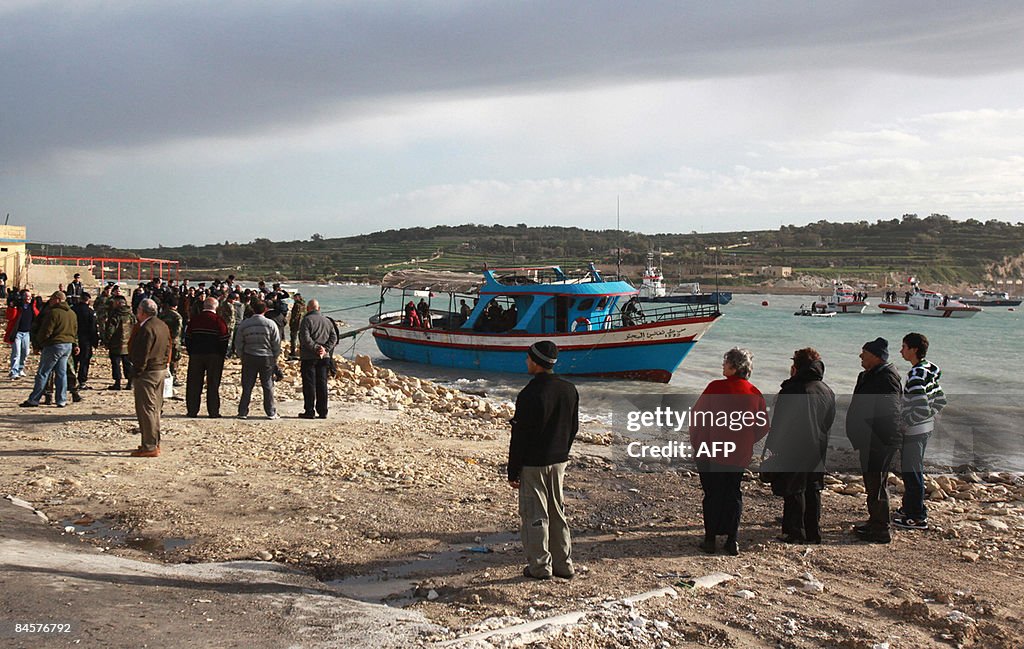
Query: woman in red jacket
{"points": [[726, 422]]}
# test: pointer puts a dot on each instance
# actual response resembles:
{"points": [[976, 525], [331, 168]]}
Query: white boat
{"points": [[930, 304], [653, 289], [812, 313], [842, 300], [992, 298]]}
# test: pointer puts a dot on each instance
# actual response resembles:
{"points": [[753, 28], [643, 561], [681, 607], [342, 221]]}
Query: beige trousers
{"points": [[544, 530], [149, 399]]}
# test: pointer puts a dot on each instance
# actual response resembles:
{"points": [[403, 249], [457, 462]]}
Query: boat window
{"points": [[586, 304], [602, 303]]}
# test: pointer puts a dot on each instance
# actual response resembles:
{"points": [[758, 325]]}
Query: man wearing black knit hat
{"points": [[873, 427], [543, 430]]}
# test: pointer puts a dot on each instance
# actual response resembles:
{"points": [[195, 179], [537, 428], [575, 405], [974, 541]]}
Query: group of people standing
{"points": [[886, 418], [144, 344]]}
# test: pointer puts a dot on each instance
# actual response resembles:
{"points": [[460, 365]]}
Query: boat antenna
{"points": [[718, 290], [618, 248]]}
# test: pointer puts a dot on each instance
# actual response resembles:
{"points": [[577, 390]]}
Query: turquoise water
{"points": [[979, 355], [980, 359]]}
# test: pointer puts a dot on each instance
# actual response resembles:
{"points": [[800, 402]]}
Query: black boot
{"points": [[732, 546], [709, 544]]}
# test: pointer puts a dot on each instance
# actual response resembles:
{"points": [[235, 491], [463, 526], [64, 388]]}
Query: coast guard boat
{"points": [[929, 303], [991, 298], [842, 300], [652, 289], [488, 323]]}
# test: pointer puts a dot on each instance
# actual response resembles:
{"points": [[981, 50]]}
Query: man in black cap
{"points": [[873, 427], [543, 429]]}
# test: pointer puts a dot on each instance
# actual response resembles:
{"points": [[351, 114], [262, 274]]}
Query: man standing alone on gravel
{"points": [[258, 344], [150, 351], [317, 340], [543, 430]]}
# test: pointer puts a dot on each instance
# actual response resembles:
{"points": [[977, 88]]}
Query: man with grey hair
{"points": [[150, 351], [317, 340]]}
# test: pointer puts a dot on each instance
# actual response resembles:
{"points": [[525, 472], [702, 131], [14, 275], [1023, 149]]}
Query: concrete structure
{"points": [[776, 272], [13, 257]]}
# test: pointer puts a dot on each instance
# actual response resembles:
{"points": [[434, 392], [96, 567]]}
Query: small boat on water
{"points": [[930, 304], [652, 289], [812, 313], [842, 300], [488, 322], [991, 298]]}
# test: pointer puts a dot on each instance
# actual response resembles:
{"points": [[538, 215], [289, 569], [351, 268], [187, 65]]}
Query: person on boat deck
{"points": [[412, 317], [423, 309], [510, 318], [464, 311], [631, 312]]}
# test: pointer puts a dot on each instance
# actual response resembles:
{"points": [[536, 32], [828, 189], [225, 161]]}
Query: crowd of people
{"points": [[144, 333], [887, 418]]}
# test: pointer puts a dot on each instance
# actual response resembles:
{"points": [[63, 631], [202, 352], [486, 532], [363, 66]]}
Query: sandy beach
{"points": [[400, 498]]}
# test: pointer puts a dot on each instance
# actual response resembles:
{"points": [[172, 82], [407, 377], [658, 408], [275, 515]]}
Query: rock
{"points": [[432, 595], [995, 524], [45, 482], [744, 594], [853, 490], [264, 555], [365, 365]]}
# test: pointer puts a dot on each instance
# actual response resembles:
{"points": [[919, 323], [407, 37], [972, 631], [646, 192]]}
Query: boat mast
{"points": [[618, 248]]}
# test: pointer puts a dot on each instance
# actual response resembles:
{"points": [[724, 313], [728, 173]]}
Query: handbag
{"points": [[168, 385]]}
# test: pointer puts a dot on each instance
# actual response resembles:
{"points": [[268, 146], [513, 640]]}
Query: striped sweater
{"points": [[922, 398]]}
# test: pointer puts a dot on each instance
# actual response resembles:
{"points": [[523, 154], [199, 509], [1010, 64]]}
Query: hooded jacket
{"points": [[118, 329], [803, 415], [58, 325]]}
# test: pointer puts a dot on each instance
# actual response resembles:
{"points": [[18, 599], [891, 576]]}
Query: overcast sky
{"points": [[143, 123]]}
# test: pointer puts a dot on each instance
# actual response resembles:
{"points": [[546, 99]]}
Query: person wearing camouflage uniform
{"points": [[116, 331], [170, 317], [294, 320], [226, 311]]}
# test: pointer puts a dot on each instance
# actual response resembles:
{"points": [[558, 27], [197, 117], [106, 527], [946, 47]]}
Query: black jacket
{"points": [[545, 424], [873, 420], [798, 441], [88, 331]]}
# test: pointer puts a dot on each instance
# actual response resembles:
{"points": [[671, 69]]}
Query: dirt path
{"points": [[391, 500]]}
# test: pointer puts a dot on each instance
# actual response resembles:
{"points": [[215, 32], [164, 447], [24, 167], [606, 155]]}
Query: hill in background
{"points": [[935, 249]]}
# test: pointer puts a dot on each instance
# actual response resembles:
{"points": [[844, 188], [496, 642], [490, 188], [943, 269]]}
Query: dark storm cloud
{"points": [[84, 75]]}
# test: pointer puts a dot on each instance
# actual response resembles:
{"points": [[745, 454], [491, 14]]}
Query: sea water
{"points": [[981, 358]]}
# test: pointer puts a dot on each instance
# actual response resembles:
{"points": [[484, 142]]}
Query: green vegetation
{"points": [[935, 249]]}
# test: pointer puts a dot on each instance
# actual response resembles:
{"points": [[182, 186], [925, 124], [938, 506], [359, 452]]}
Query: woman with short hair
{"points": [[726, 422]]}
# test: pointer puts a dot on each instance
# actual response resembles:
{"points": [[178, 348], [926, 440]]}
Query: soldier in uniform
{"points": [[170, 316], [226, 311], [116, 331], [294, 320]]}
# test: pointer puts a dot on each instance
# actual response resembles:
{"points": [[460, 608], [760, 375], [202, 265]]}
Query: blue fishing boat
{"points": [[488, 322]]}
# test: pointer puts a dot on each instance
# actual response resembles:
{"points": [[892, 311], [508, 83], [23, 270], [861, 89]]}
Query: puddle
{"points": [[103, 532], [396, 585]]}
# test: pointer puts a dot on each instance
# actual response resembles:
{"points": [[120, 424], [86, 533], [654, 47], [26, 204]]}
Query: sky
{"points": [[146, 123]]}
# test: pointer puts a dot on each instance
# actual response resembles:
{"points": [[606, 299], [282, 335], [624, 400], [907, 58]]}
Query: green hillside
{"points": [[934, 248]]}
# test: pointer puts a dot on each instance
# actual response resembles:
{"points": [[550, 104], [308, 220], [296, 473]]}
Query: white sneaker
{"points": [[274, 416]]}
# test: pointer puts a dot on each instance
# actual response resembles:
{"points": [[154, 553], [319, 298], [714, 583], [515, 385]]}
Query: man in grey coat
{"points": [[317, 340], [258, 344]]}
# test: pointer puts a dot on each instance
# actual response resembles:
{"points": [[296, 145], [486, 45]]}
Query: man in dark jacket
{"points": [[88, 338], [543, 430], [206, 339], [798, 442], [317, 340], [873, 427]]}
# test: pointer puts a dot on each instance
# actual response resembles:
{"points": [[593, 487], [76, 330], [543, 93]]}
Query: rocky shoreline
{"points": [[400, 498]]}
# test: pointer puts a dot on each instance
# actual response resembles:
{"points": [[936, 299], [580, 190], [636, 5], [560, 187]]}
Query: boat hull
{"points": [[840, 308], [715, 297], [934, 312], [991, 302], [650, 352]]}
